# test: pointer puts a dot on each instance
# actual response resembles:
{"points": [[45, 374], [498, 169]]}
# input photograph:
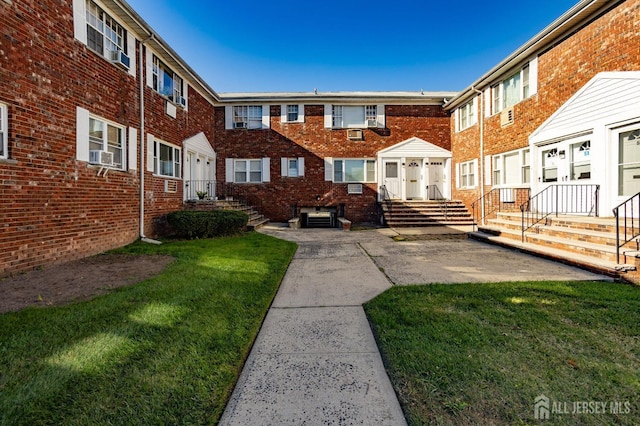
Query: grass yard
{"points": [[482, 353], [165, 351]]}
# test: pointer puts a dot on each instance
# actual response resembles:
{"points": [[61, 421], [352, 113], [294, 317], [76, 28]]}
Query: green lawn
{"points": [[165, 351], [481, 353]]}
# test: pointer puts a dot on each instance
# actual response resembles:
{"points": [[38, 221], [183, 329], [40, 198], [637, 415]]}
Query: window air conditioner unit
{"points": [[372, 123], [102, 158], [354, 134], [182, 101], [240, 125], [506, 117], [120, 58]]}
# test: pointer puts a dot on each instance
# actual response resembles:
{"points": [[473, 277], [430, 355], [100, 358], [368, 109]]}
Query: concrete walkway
{"points": [[315, 360]]}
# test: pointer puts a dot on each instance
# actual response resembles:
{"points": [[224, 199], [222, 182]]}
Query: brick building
{"points": [[104, 129], [561, 110], [95, 110]]}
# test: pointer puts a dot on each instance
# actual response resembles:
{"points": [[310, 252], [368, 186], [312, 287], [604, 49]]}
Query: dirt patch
{"points": [[78, 280]]}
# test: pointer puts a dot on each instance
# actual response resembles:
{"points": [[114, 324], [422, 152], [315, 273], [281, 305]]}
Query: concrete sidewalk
{"points": [[315, 360]]}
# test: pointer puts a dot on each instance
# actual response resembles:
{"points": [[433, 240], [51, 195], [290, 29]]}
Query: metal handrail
{"points": [[386, 197], [493, 203], [630, 214], [444, 206], [194, 188], [556, 199]]}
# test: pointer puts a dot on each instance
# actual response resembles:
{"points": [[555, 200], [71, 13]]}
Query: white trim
{"points": [[300, 113], [381, 116], [82, 134], [328, 168], [284, 167], [266, 116], [328, 116], [228, 117], [266, 169], [149, 64], [150, 148], [300, 166], [533, 76], [132, 147], [4, 131], [80, 21], [228, 170]]}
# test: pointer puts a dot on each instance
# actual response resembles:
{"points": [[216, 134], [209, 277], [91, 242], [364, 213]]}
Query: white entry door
{"points": [[414, 178], [436, 173], [391, 179]]}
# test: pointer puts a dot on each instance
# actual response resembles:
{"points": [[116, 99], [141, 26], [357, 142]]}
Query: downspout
{"points": [[481, 124], [142, 139]]}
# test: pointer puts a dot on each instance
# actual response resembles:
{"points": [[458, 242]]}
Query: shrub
{"points": [[207, 224]]}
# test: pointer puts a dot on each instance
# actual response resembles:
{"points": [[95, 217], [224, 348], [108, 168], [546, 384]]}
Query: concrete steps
{"points": [[256, 219], [585, 241], [425, 213]]}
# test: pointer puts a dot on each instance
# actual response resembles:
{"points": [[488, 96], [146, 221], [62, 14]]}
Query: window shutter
{"points": [[185, 95], [132, 154], [300, 166], [131, 52], [228, 170], [487, 169], [328, 168], [381, 118], [228, 117], [476, 178], [82, 134], [457, 175], [487, 101], [283, 114], [266, 117], [301, 113], [533, 76], [149, 64], [284, 166], [328, 116], [266, 169], [80, 20], [150, 144]]}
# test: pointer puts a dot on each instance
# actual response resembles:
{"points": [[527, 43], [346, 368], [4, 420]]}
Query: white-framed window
{"points": [[467, 172], [292, 167], [580, 161], [105, 136], [354, 170], [517, 87], [292, 113], [354, 116], [629, 162], [166, 159], [467, 115], [550, 165], [104, 35], [512, 168], [168, 83], [248, 170], [4, 130], [247, 117]]}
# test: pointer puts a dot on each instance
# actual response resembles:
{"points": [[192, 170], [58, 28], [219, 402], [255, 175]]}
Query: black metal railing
{"points": [[496, 201], [444, 206], [245, 194], [557, 199], [200, 189], [386, 199], [629, 212]]}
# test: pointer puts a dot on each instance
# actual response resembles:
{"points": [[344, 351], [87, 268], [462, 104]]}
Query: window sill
{"points": [[8, 161]]}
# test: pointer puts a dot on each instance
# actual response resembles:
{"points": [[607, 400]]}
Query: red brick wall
{"points": [[313, 142], [608, 43], [55, 208]]}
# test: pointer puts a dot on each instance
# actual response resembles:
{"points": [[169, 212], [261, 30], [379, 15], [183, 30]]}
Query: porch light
{"points": [[561, 154]]}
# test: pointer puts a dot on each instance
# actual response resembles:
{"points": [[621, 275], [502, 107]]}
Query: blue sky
{"points": [[348, 45]]}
